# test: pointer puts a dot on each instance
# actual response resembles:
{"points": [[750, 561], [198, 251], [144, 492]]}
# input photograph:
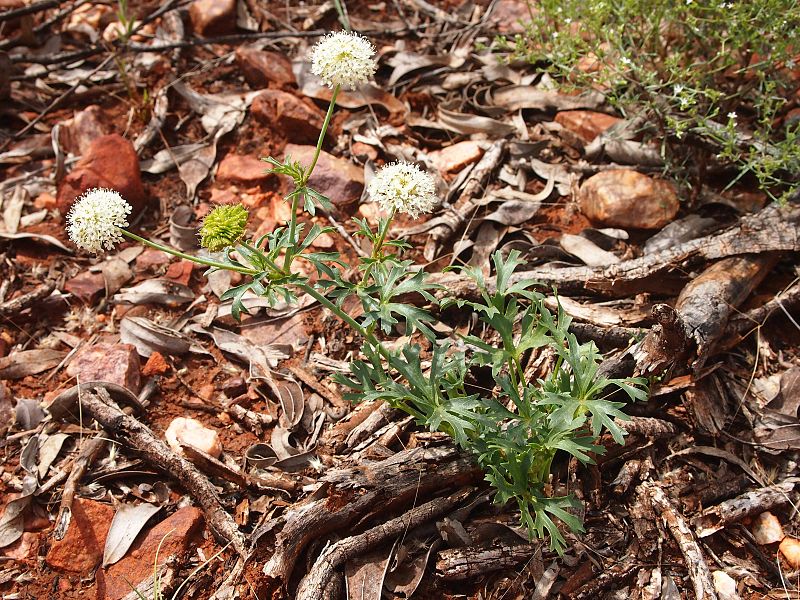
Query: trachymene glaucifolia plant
{"points": [[515, 429]]}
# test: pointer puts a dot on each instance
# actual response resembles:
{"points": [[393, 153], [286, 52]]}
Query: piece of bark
{"points": [[359, 493], [455, 216], [313, 584], [707, 302], [750, 503], [86, 456], [133, 434], [695, 562], [664, 345], [457, 564], [774, 228]]}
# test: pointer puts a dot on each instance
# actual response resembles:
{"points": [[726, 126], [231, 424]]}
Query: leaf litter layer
{"points": [[299, 491]]}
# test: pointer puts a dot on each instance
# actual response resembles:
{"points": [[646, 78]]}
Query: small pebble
{"points": [[192, 432], [767, 529], [725, 586], [790, 548]]}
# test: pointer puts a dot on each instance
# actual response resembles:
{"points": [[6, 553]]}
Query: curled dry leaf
{"points": [[156, 291], [29, 362], [149, 337]]}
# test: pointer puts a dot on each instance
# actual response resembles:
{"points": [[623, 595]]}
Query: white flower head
{"points": [[95, 219], [403, 187], [732, 116], [343, 58]]}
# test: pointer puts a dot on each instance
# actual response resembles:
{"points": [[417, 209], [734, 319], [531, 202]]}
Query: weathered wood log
{"points": [[476, 561], [692, 554], [774, 228], [358, 494], [313, 585]]}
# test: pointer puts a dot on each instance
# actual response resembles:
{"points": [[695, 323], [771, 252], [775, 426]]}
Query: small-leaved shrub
{"points": [[713, 80]]}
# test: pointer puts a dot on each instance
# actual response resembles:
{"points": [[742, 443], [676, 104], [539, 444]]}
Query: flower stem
{"points": [[287, 262], [368, 335], [195, 259], [322, 133]]}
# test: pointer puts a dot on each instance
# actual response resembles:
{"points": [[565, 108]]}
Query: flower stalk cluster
{"points": [[515, 447]]}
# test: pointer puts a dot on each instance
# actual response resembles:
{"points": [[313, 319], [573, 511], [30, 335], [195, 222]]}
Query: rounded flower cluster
{"points": [[343, 58], [223, 227], [403, 187], [95, 220]]}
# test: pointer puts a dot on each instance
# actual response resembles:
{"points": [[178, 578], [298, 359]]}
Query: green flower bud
{"points": [[224, 226]]}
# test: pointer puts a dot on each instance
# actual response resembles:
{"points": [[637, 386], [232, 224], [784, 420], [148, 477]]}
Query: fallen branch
{"points": [[456, 564], [454, 217], [750, 503], [358, 494], [692, 554], [312, 586], [132, 433], [775, 228]]}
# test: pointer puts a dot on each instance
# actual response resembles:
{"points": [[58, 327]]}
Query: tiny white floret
{"points": [[343, 58], [403, 187], [95, 220]]}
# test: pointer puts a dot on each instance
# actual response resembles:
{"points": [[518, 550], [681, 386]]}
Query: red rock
{"points": [[586, 124], [87, 286], [626, 198], [84, 128], [298, 119], [261, 67], [44, 201], [176, 531], [110, 162], [338, 179], [25, 548], [509, 15], [150, 258], [155, 365], [454, 158], [181, 271], [213, 17], [243, 168], [81, 549], [362, 151], [117, 363]]}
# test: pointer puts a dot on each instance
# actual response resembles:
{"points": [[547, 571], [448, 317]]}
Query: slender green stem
{"points": [[322, 133], [376, 247], [371, 339], [287, 262], [196, 259]]}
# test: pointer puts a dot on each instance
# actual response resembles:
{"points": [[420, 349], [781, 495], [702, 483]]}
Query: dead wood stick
{"points": [[129, 431], [475, 561], [454, 217], [743, 322], [313, 585], [775, 228], [358, 494], [27, 10], [22, 302], [87, 455], [692, 554], [750, 503], [603, 581]]}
